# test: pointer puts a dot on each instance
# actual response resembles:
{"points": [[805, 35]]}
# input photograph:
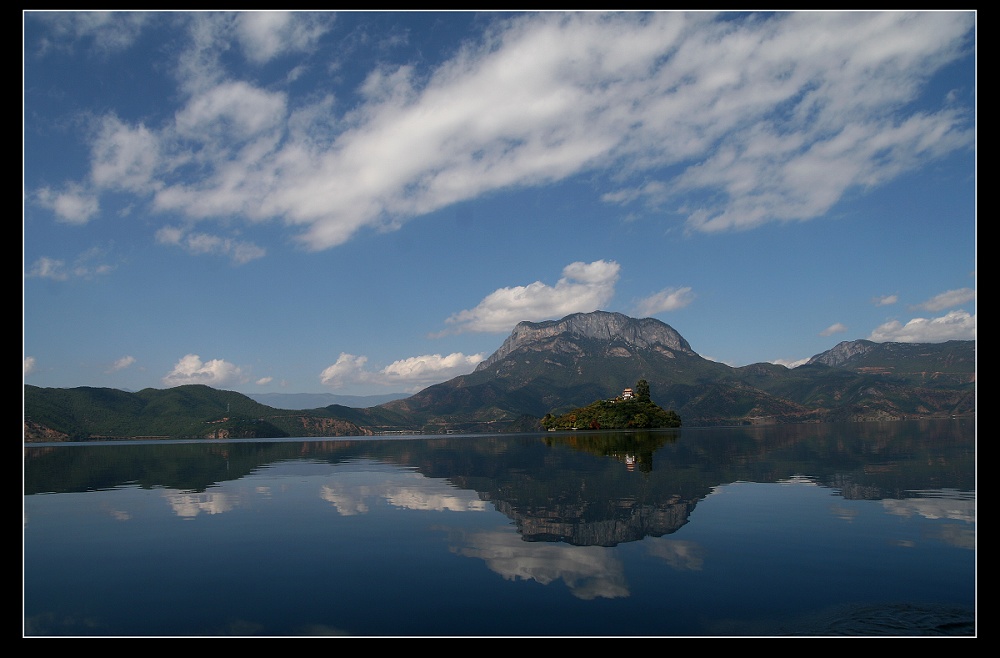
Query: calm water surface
{"points": [[816, 530]]}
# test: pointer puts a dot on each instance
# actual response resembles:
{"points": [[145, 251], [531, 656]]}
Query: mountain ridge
{"points": [[553, 366]]}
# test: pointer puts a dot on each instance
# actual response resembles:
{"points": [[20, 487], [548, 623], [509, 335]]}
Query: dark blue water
{"points": [[861, 529]]}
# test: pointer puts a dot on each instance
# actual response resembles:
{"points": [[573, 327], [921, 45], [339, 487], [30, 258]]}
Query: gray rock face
{"points": [[646, 333], [843, 352]]}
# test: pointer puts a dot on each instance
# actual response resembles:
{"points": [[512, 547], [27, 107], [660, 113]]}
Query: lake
{"points": [[865, 529]]}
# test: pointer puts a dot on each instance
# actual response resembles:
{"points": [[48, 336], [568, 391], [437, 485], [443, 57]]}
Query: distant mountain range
{"points": [[552, 367], [317, 400]]}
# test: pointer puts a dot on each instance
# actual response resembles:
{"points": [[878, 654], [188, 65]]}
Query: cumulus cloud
{"points": [[430, 367], [347, 369], [29, 365], [948, 299], [956, 325], [583, 287], [773, 117], [263, 381], [413, 373], [668, 299], [836, 328], [192, 370]]}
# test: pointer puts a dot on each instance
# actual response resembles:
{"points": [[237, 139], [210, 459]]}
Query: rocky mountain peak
{"points": [[843, 352], [646, 333]]}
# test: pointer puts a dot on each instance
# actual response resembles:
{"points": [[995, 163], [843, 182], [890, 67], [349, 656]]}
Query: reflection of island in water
{"points": [[589, 488], [627, 509]]}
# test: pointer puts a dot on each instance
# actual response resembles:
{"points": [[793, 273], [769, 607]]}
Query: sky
{"points": [[368, 202]]}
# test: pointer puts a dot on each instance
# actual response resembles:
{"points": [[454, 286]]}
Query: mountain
{"points": [[557, 365], [550, 368], [317, 400]]}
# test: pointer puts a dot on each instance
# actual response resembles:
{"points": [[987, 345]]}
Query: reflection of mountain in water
{"points": [[583, 525], [593, 488], [600, 502]]}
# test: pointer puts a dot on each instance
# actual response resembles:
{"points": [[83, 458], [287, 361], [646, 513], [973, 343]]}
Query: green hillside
{"points": [[191, 411]]}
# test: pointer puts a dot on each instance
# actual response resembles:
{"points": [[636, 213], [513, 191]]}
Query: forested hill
{"points": [[192, 411]]}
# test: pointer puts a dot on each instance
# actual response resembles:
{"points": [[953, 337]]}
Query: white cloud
{"points": [[413, 373], [122, 363], [73, 205], [948, 299], [263, 381], [776, 118], [264, 35], [431, 368], [885, 300], [124, 157], [84, 266], [239, 252], [956, 325], [29, 365], [347, 369], [230, 111], [668, 299], [106, 31], [48, 268], [836, 328], [790, 363], [584, 287], [191, 370]]}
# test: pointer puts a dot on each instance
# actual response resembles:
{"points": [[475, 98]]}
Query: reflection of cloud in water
{"points": [[799, 479], [190, 505], [678, 553], [942, 505], [349, 501], [933, 508], [589, 571], [844, 513], [960, 536], [405, 490]]}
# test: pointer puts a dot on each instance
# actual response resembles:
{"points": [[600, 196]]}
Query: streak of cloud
{"points": [[836, 328], [745, 108], [948, 299], [668, 299]]}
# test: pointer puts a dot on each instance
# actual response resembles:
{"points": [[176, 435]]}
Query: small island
{"points": [[633, 409]]}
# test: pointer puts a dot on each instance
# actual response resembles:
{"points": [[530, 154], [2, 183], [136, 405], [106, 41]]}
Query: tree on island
{"points": [[635, 412]]}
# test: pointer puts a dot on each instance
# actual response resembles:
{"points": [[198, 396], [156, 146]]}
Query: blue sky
{"points": [[369, 202]]}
